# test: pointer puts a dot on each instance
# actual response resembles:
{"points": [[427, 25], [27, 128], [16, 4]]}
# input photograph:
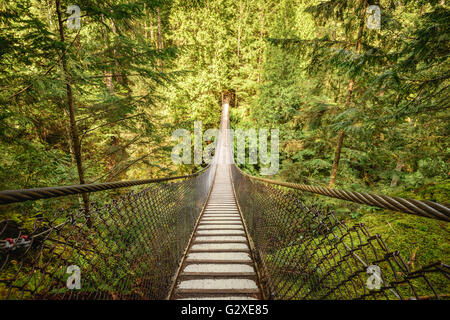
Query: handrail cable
{"points": [[13, 196], [424, 208]]}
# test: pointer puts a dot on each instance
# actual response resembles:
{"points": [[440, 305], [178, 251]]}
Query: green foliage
{"points": [[141, 69]]}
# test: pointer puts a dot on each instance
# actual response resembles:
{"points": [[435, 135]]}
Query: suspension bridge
{"points": [[215, 234]]}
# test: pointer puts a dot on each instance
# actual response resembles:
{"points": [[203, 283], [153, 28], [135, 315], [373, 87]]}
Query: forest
{"points": [[357, 108]]}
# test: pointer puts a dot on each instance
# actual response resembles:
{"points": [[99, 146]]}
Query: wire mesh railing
{"points": [[306, 253], [131, 251], [423, 208]]}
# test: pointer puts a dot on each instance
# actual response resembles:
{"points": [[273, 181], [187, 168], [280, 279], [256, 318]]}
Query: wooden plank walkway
{"points": [[218, 264]]}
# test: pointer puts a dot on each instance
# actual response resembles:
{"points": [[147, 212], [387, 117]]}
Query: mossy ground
{"points": [[420, 241]]}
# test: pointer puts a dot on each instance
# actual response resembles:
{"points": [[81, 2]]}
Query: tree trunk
{"points": [[160, 42], [337, 157], [239, 32], [73, 125], [108, 74], [238, 52], [351, 83], [261, 36], [69, 142], [398, 168], [152, 35], [145, 22], [159, 35]]}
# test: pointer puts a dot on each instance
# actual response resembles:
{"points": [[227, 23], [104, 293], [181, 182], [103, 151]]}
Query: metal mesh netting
{"points": [[306, 253], [131, 251]]}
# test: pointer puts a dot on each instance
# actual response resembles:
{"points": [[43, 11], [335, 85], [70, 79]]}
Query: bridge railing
{"points": [[306, 253], [131, 250]]}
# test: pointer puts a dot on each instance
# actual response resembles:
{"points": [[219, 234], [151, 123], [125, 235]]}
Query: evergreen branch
{"points": [[50, 69], [107, 124]]}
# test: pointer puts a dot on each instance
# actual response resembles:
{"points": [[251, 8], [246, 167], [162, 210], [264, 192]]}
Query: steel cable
{"points": [[427, 209]]}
